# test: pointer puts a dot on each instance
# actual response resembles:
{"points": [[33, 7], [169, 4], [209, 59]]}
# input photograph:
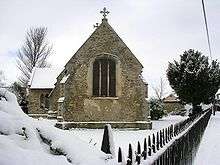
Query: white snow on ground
{"points": [[167, 121], [209, 149], [26, 147], [122, 137], [17, 149]]}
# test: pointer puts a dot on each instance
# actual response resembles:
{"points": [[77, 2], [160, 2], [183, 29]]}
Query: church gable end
{"points": [[104, 40], [102, 82], [105, 82]]}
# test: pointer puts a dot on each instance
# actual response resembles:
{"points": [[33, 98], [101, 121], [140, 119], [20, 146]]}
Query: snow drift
{"points": [[24, 140]]}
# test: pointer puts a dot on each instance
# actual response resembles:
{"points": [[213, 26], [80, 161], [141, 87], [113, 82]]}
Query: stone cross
{"points": [[96, 25], [104, 12]]}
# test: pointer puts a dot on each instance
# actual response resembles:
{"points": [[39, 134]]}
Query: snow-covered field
{"points": [[209, 149], [166, 121]]}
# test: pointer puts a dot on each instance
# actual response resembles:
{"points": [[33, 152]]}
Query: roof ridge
{"points": [[83, 44], [104, 22], [111, 28]]}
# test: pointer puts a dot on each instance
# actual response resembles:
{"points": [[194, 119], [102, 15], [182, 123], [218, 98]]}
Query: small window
{"points": [[47, 102], [104, 78], [42, 101]]}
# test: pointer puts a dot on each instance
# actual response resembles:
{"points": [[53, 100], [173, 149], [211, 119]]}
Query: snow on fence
{"points": [[174, 145]]}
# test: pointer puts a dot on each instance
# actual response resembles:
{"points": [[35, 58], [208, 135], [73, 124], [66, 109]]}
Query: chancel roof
{"points": [[44, 78]]}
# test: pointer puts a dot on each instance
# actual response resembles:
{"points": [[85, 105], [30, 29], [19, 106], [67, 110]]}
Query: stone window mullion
{"points": [[100, 78], [104, 76], [108, 78]]}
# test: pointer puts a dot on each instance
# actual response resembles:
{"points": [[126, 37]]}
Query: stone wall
{"points": [[57, 92], [54, 96], [142, 125], [172, 106], [34, 100], [130, 103]]}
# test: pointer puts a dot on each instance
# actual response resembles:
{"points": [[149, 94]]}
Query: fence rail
{"points": [[174, 145]]}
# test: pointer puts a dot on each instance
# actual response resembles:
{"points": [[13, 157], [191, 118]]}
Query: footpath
{"points": [[209, 149]]}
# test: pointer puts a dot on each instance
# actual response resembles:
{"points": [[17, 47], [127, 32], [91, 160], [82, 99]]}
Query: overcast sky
{"points": [[156, 31]]}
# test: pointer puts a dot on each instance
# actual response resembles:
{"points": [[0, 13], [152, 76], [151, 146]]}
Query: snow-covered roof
{"points": [[61, 100], [44, 78], [64, 79], [171, 98]]}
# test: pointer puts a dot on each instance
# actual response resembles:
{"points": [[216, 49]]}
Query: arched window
{"points": [[42, 101], [104, 78], [47, 102]]}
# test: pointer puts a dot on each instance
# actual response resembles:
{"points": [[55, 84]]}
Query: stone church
{"points": [[100, 84]]}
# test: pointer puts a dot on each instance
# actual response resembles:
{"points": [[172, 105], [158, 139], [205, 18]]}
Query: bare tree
{"points": [[160, 90], [33, 53]]}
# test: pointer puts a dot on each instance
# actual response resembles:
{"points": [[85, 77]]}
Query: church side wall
{"points": [[57, 92], [34, 100], [54, 96]]}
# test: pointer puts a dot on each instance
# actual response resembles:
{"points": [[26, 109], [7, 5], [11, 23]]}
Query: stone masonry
{"points": [[34, 100], [74, 84]]}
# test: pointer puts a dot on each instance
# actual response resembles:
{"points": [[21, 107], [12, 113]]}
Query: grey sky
{"points": [[156, 31]]}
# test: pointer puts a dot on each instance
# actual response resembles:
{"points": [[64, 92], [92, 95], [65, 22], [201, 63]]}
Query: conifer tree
{"points": [[193, 79], [156, 108]]}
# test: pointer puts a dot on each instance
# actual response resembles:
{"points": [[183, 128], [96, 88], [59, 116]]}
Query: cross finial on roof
{"points": [[104, 12], [96, 25]]}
